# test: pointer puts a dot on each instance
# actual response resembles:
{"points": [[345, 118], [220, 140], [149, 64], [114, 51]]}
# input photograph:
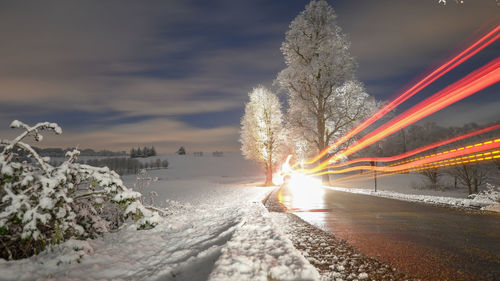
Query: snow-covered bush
{"points": [[43, 204], [432, 178], [142, 181], [490, 193]]}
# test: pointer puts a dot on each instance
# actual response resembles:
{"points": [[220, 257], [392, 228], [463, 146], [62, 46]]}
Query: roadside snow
{"points": [[477, 202], [217, 229], [411, 187], [260, 251], [406, 183]]}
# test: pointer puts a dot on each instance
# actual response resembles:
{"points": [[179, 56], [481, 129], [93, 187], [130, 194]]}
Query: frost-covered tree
{"points": [[324, 97], [260, 130], [41, 204]]}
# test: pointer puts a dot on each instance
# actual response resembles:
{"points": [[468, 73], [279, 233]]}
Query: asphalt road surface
{"points": [[425, 241]]}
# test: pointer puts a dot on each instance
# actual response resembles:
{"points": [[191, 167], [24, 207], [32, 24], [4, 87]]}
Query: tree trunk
{"points": [[269, 176], [322, 144], [404, 140], [269, 164], [325, 179]]}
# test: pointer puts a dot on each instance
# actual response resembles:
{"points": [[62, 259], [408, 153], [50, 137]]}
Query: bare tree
{"points": [[470, 175], [497, 163], [432, 175]]}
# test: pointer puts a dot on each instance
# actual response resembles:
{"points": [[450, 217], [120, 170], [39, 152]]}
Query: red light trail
{"points": [[444, 163], [470, 51], [471, 84], [418, 150], [435, 159]]}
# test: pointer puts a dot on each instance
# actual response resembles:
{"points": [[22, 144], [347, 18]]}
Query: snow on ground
{"points": [[405, 183], [478, 202], [409, 187], [259, 250], [217, 229], [199, 180]]}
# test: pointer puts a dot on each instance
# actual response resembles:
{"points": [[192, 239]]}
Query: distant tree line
{"points": [[59, 152], [123, 165], [217, 153], [103, 152], [214, 154], [142, 153]]}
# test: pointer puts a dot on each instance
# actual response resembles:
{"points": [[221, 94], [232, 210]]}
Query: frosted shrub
{"points": [[43, 204], [142, 181], [491, 193]]}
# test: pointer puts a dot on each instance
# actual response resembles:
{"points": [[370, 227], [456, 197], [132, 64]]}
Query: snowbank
{"points": [[409, 187], [260, 251], [405, 183], [477, 202]]}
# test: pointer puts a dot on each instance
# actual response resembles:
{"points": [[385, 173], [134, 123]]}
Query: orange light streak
{"points": [[431, 159], [470, 51], [451, 162], [469, 85], [416, 151]]}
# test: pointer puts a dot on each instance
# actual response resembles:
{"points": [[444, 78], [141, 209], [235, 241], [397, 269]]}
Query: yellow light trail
{"points": [[446, 163], [428, 159]]}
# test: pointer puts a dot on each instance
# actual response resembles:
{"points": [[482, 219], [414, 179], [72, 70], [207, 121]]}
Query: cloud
{"points": [[93, 59], [114, 57], [166, 135], [140, 67], [137, 68], [463, 113], [390, 38]]}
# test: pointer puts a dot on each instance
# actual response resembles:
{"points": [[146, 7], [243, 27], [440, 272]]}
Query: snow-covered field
{"points": [[217, 229]]}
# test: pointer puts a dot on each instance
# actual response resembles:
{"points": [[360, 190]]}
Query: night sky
{"points": [[117, 74]]}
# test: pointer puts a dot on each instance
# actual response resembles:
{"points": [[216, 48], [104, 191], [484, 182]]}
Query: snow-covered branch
{"points": [[41, 204], [325, 100]]}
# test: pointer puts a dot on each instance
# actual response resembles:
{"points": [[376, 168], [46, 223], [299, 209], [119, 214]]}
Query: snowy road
{"points": [[432, 243]]}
